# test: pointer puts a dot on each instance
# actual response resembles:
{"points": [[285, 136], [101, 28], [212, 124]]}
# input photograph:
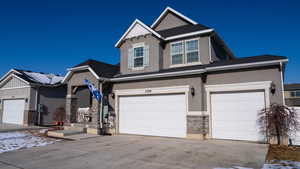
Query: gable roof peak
{"points": [[169, 9], [136, 21]]}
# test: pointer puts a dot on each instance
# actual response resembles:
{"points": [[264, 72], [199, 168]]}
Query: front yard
{"points": [[10, 141]]}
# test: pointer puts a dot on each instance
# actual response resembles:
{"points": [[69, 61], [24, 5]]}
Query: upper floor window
{"points": [[295, 93], [138, 57], [185, 52], [191, 50], [177, 53]]}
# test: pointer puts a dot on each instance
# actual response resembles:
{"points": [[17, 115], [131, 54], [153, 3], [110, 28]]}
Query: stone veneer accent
{"points": [[197, 124]]}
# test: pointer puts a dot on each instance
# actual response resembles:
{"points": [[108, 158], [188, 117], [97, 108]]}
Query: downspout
{"points": [[282, 85], [37, 105], [99, 120]]}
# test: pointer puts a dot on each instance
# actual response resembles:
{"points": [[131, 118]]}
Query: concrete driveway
{"points": [[136, 152]]}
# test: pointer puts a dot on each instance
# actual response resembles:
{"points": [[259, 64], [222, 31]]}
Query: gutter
{"points": [[188, 34], [199, 71]]}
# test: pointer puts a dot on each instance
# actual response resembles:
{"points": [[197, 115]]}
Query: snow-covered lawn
{"points": [[274, 165], [10, 141], [282, 165]]}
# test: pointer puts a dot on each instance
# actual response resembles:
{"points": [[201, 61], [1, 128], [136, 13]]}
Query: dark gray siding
{"points": [[51, 98], [84, 95]]}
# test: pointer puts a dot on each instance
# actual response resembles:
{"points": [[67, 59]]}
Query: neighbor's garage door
{"points": [[234, 115], [13, 111], [155, 115]]}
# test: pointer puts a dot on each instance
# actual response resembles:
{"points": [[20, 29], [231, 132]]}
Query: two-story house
{"points": [[178, 78]]}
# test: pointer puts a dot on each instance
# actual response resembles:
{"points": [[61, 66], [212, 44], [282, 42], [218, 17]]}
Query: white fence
{"points": [[296, 138]]}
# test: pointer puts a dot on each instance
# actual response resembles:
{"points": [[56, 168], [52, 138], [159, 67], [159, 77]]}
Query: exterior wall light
{"points": [[193, 91], [26, 100], [273, 88], [113, 95]]}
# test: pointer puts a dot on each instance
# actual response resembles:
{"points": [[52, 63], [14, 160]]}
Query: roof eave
{"points": [[199, 71]]}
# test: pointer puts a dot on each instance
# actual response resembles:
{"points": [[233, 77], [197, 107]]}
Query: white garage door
{"points": [[155, 115], [234, 115], [13, 111]]}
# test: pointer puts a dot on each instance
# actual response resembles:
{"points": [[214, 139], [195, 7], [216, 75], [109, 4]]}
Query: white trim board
{"points": [[196, 113], [238, 86], [10, 71], [189, 34], [176, 13], [155, 90], [132, 26], [15, 88], [72, 70]]}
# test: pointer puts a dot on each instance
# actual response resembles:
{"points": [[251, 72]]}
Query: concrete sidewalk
{"points": [[134, 152]]}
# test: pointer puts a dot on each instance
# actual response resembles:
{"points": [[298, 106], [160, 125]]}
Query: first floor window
{"points": [[138, 57]]}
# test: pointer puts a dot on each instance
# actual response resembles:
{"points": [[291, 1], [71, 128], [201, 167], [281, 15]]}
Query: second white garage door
{"points": [[155, 115], [234, 115], [13, 111]]}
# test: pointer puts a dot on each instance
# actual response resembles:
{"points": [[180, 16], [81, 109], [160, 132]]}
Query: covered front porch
{"points": [[85, 112]]}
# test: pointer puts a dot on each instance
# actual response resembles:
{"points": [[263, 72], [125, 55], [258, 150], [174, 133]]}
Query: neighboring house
{"points": [[79, 96], [292, 95], [30, 98], [178, 78]]}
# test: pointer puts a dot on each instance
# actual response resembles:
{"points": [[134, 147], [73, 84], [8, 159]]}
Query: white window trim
{"points": [[176, 53], [185, 53], [185, 50], [137, 45]]}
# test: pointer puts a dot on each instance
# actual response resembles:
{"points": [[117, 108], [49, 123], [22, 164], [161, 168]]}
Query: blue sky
{"points": [[53, 35]]}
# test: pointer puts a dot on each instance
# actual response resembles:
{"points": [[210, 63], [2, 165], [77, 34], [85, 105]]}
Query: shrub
{"points": [[278, 121]]}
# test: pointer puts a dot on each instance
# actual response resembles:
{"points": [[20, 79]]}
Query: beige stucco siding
{"points": [[198, 102], [254, 75], [77, 79], [193, 81], [154, 54], [203, 49], [170, 21]]}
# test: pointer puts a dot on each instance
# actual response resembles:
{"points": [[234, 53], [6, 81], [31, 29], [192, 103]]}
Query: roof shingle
{"points": [[100, 68]]}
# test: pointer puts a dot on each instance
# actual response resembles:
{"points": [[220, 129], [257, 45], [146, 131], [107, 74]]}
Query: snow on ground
{"points": [[276, 165], [236, 167], [283, 165], [10, 141]]}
